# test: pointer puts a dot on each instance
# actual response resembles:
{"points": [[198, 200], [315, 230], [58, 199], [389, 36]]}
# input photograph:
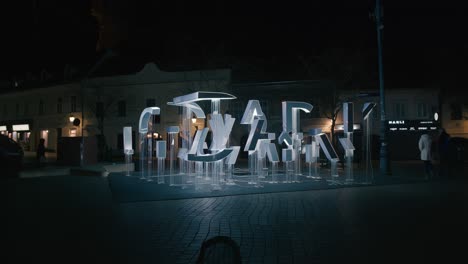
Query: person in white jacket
{"points": [[425, 143]]}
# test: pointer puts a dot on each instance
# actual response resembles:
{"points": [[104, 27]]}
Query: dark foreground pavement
{"points": [[56, 219], [73, 219]]}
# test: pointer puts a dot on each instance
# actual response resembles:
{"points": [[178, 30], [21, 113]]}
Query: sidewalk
{"points": [[401, 170], [51, 168], [77, 217]]}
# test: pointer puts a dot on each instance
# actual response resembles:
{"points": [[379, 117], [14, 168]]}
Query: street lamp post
{"points": [[384, 166]]}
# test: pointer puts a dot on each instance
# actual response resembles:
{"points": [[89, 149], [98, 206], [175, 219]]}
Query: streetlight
{"points": [[384, 166]]}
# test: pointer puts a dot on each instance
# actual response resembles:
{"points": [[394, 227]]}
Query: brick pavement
{"points": [[321, 226], [52, 217]]}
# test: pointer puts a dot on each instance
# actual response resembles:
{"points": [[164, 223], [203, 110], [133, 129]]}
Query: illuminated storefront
{"points": [[403, 137]]}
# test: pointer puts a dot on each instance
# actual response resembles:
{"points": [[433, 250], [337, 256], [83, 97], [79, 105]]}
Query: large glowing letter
{"points": [[258, 139], [197, 146], [348, 117], [291, 119], [255, 135], [367, 109], [144, 118], [254, 111], [221, 130], [127, 138], [220, 127]]}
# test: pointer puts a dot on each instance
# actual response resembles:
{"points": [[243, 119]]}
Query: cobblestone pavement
{"points": [[399, 223]]}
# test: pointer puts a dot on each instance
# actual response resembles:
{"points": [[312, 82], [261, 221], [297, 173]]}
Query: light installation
{"points": [[212, 165]]}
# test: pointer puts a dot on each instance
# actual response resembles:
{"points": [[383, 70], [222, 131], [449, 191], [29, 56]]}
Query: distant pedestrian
{"points": [[40, 153], [425, 143], [442, 144]]}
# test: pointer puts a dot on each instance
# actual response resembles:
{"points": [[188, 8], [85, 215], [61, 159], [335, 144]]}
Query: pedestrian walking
{"points": [[425, 143], [442, 144], [40, 153]]}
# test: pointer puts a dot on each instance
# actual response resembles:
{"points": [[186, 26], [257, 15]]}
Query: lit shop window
{"points": [[45, 136], [72, 132]]}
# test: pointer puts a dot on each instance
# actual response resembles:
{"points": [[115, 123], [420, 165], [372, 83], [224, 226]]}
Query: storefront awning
{"points": [[21, 127]]}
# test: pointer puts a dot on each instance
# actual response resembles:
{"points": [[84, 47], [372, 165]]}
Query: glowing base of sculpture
{"points": [[274, 172], [128, 162], [314, 171], [349, 170], [224, 178]]}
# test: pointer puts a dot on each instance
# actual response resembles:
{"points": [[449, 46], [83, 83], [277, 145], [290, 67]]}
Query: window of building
{"points": [[121, 108], [400, 110], [120, 144], [99, 109], [150, 102], [72, 132], [26, 109], [41, 107], [45, 136], [422, 110], [59, 105], [456, 112], [73, 104]]}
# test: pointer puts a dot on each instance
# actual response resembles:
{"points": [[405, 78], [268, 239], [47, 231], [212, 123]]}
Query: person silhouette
{"points": [[40, 153], [443, 142], [425, 143]]}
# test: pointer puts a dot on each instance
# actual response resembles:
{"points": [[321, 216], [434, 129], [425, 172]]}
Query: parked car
{"points": [[11, 157]]}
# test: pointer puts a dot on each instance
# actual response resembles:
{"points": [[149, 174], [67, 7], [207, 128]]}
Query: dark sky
{"points": [[423, 40]]}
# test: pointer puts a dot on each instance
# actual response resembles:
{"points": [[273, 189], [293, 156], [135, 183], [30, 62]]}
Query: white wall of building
{"points": [[133, 89]]}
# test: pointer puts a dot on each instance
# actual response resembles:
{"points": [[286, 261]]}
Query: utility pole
{"points": [[384, 163]]}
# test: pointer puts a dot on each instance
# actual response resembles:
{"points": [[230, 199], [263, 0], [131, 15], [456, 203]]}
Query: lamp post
{"points": [[384, 166]]}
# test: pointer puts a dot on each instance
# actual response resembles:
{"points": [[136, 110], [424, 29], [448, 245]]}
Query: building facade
{"points": [[102, 105], [113, 102]]}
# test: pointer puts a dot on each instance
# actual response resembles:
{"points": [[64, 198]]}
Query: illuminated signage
{"points": [[22, 127], [3, 128], [396, 122], [412, 125]]}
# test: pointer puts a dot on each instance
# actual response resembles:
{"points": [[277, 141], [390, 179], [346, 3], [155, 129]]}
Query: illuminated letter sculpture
{"points": [[145, 142], [366, 111], [329, 151], [161, 156], [221, 129], [258, 144], [312, 152], [347, 143], [292, 137], [128, 149], [172, 131], [349, 149]]}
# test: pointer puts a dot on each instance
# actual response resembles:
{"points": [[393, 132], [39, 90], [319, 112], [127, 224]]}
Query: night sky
{"points": [[424, 43]]}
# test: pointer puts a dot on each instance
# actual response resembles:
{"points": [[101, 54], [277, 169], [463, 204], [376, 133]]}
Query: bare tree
{"points": [[102, 108], [347, 69], [331, 105]]}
